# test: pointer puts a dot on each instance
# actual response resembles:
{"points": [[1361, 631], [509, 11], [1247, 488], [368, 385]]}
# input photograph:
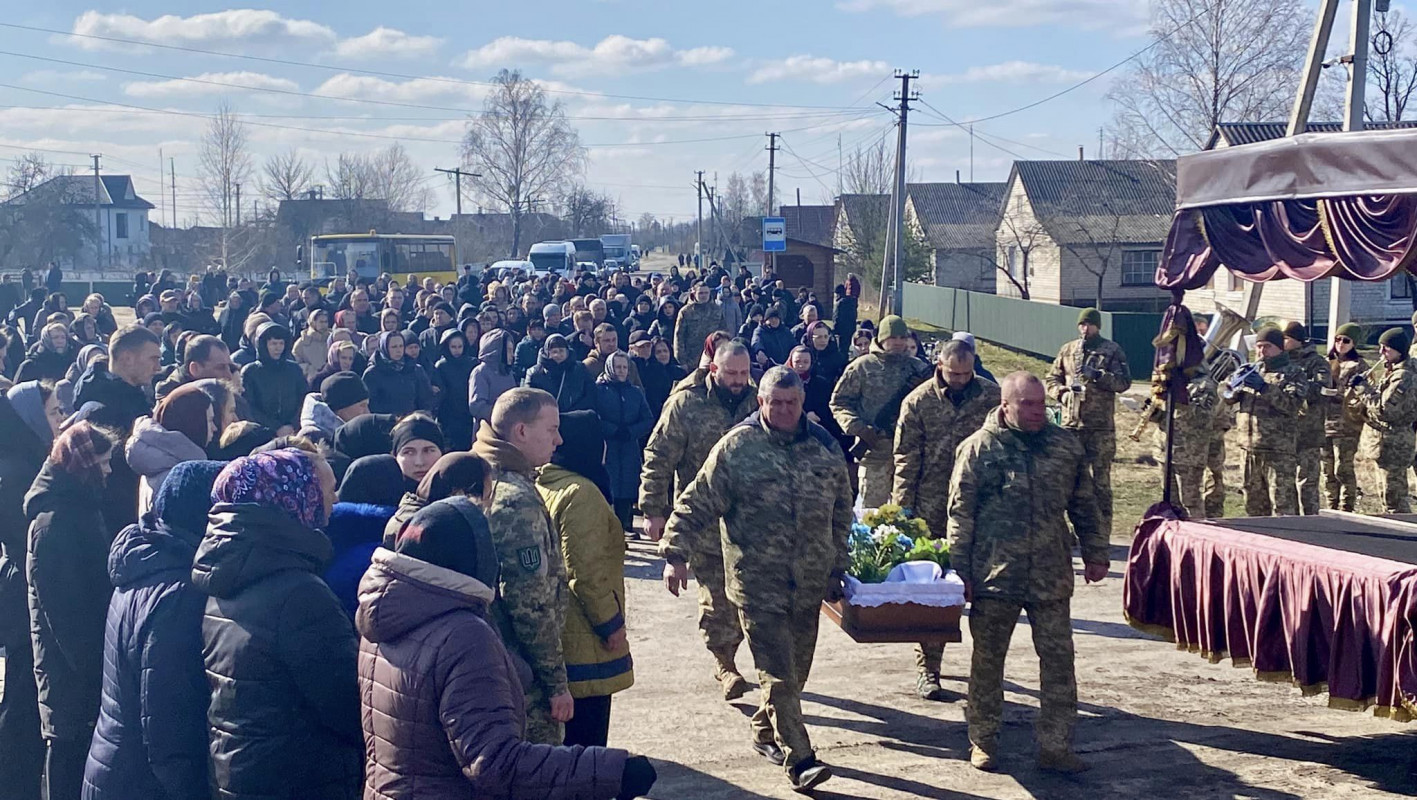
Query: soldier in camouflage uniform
{"points": [[699, 318], [694, 419], [934, 419], [1309, 436], [1388, 397], [778, 483], [1214, 491], [1014, 480], [1267, 407], [1190, 448], [531, 606], [1086, 378], [1343, 420], [866, 404]]}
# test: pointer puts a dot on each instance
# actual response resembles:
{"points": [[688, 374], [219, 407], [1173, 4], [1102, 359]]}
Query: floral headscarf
{"points": [[280, 479]]}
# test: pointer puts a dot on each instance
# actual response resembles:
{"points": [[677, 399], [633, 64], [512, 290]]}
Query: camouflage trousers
{"points": [[718, 617], [1214, 492], [783, 645], [1394, 482], [1269, 484], [991, 626], [1340, 476], [878, 477], [1099, 448], [1186, 489], [1308, 472], [540, 727], [929, 656]]}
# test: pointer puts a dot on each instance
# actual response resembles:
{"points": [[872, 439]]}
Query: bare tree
{"points": [[396, 179], [869, 170], [1020, 233], [286, 176], [1095, 244], [350, 177], [53, 222], [524, 148], [587, 212], [224, 162], [1214, 61], [27, 172], [1392, 68]]}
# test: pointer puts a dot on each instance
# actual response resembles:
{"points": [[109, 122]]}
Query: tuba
{"points": [[1218, 359]]}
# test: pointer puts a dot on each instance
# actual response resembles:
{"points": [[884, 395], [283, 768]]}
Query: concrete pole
{"points": [[1340, 298]]}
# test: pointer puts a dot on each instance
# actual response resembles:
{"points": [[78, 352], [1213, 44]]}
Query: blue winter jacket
{"points": [[151, 739], [355, 530]]}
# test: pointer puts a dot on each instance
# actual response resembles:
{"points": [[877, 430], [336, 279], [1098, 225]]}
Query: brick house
{"points": [[958, 221]]}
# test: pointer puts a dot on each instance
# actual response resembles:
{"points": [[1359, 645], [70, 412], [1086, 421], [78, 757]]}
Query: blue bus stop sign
{"points": [[774, 235]]}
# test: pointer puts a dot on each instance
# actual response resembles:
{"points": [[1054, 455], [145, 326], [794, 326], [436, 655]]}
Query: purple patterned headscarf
{"points": [[281, 479]]}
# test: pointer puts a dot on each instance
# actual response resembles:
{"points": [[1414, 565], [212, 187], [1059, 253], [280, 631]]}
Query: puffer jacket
{"points": [[151, 740], [492, 377], [399, 388], [316, 414], [355, 531], [625, 420], [68, 600], [310, 352], [775, 343], [152, 452], [569, 382], [280, 653], [593, 544], [442, 698], [275, 388]]}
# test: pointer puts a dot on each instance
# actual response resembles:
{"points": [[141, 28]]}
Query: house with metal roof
{"points": [[810, 257], [1085, 233], [957, 221], [123, 231]]}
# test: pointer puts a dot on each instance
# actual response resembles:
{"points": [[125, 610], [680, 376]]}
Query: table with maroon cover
{"points": [[1328, 603]]}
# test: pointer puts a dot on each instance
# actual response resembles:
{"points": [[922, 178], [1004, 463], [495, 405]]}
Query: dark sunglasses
{"points": [[1342, 340]]}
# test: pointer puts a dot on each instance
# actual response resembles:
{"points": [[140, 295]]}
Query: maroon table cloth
{"points": [[1322, 618]]}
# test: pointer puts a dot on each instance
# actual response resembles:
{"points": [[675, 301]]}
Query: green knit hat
{"points": [[1271, 334], [892, 327], [1396, 338], [1090, 316], [1352, 330]]}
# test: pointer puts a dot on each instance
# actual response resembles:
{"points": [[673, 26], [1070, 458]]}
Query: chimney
{"points": [[1080, 155], [956, 176]]}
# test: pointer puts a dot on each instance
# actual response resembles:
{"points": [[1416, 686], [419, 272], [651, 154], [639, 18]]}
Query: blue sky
{"points": [[763, 66]]}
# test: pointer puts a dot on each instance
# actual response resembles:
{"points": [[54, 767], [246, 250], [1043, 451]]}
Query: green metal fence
{"points": [[1037, 328]]}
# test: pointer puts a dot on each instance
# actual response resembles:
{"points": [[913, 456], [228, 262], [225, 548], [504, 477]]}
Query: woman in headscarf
{"points": [[417, 444], [179, 430], [576, 490], [844, 311], [396, 385], [454, 728], [492, 376], [312, 347], [828, 362], [665, 318], [279, 650], [96, 307], [565, 378], [625, 419], [818, 391], [29, 418], [151, 739], [50, 357], [341, 356], [454, 370], [85, 331], [67, 568], [453, 474]]}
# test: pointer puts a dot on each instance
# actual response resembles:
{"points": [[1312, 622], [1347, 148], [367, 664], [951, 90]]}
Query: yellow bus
{"points": [[371, 254]]}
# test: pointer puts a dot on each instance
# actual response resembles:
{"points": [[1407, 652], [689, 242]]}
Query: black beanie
{"points": [[1396, 338], [342, 390], [1271, 334], [451, 534], [267, 298], [416, 426]]}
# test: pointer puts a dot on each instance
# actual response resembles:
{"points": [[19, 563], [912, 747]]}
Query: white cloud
{"points": [[613, 55], [59, 76], [234, 28], [1011, 72], [382, 42], [416, 90], [219, 83], [817, 70], [1086, 14]]}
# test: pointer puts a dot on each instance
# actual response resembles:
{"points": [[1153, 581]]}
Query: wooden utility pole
{"points": [[699, 225], [771, 258], [172, 175], [458, 174], [898, 275]]}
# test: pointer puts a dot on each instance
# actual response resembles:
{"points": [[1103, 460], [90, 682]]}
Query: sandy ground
{"points": [[1155, 722]]}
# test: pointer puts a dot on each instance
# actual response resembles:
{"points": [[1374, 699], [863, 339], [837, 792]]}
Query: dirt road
{"points": [[1155, 722]]}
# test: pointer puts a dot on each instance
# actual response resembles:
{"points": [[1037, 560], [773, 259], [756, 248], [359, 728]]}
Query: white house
{"points": [[122, 217]]}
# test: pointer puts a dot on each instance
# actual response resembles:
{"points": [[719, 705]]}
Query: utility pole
{"points": [[772, 168], [172, 174], [971, 154], [161, 187], [99, 245], [898, 276], [457, 181], [238, 205], [699, 226]]}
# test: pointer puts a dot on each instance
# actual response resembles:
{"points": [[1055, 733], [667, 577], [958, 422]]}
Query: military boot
{"points": [[982, 758], [808, 774], [927, 687], [726, 672], [1064, 761]]}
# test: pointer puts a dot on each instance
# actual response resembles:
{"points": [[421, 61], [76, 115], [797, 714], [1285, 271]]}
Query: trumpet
{"points": [[1239, 379]]}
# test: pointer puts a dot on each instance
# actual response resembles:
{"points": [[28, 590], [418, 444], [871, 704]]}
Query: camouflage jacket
{"points": [[1008, 497], [1266, 418], [1194, 424], [1310, 432], [696, 322], [1389, 403], [693, 420], [1343, 416], [1095, 406], [870, 393], [531, 597], [784, 501], [930, 429]]}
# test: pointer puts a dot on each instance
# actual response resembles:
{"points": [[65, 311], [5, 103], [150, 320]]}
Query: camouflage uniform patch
{"points": [[1343, 425]]}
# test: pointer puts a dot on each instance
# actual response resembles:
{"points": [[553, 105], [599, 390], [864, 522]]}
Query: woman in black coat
{"points": [[817, 405], [396, 385], [565, 378], [280, 652], [625, 419], [50, 357], [828, 362], [67, 568], [454, 370], [274, 384], [844, 312], [29, 415]]}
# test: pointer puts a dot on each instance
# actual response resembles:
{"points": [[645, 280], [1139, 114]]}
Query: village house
{"points": [[122, 220], [957, 222], [810, 258], [1085, 233]]}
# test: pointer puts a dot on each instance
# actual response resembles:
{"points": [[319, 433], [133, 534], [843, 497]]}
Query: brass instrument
{"points": [[1219, 360], [1092, 363]]}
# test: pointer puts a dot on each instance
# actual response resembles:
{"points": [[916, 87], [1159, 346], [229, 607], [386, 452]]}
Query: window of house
{"points": [[120, 226], [1399, 288], [1139, 267], [1013, 261]]}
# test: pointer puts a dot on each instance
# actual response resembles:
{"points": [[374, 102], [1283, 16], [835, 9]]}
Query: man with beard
{"points": [[694, 418]]}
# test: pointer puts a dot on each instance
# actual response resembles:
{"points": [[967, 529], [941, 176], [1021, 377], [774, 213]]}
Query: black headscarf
{"points": [[376, 480], [366, 435], [582, 449], [452, 534]]}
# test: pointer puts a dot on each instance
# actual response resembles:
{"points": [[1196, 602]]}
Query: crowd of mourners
{"points": [[281, 540]]}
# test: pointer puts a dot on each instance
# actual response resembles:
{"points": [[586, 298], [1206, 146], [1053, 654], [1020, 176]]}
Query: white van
{"points": [[557, 257]]}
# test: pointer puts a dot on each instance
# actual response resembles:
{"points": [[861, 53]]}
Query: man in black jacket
{"points": [[274, 384], [121, 387]]}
